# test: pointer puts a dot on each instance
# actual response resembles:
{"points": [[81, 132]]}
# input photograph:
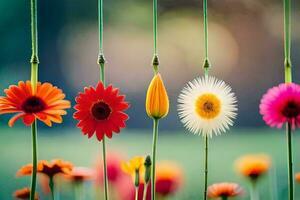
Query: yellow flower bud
{"points": [[157, 101]]}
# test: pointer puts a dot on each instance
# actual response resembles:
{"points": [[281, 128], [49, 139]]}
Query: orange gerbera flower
{"points": [[48, 168], [47, 104], [169, 178], [80, 174], [253, 166], [224, 190], [100, 110], [24, 194], [297, 177]]}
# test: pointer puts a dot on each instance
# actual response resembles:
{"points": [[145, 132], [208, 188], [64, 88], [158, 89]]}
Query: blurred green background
{"points": [[246, 50]]}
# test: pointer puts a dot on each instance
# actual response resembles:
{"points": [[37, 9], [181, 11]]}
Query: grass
{"points": [[186, 149]]}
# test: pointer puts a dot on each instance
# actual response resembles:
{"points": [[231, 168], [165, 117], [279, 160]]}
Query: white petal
{"points": [[186, 106]]}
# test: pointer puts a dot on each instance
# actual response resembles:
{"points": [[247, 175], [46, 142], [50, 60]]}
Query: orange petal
{"points": [[44, 90], [5, 111], [55, 112], [55, 118], [60, 104], [12, 120]]}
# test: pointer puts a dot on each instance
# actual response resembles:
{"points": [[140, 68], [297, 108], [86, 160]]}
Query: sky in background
{"points": [[245, 48]]}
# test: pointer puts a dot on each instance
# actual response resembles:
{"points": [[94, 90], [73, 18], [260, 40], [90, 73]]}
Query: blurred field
{"points": [[185, 149]]}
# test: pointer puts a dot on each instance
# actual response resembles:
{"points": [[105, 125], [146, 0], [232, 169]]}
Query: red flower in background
{"points": [[169, 178], [100, 111], [47, 104]]}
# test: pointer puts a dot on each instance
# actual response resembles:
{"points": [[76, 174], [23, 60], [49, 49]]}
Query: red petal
{"points": [[28, 119]]}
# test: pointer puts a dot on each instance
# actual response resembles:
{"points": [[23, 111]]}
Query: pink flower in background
{"points": [[114, 171], [281, 104]]}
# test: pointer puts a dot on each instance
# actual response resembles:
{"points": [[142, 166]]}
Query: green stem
{"points": [[253, 191], [101, 62], [34, 45], [155, 26], [78, 190], [205, 28], [290, 161], [287, 29], [273, 183], [288, 79], [205, 167], [100, 25], [105, 170], [145, 191], [287, 41], [34, 159], [153, 175], [206, 64], [224, 197], [52, 188], [34, 78]]}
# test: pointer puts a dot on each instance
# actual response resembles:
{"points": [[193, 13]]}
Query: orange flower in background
{"points": [[47, 168], [24, 194], [224, 190], [157, 100], [100, 111], [253, 166], [169, 178], [297, 177], [47, 104], [80, 174]]}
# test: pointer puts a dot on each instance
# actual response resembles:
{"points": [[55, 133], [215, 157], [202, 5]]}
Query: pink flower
{"points": [[114, 171], [281, 104]]}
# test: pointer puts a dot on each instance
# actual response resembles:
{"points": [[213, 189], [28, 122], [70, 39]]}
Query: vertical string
{"points": [[101, 62]]}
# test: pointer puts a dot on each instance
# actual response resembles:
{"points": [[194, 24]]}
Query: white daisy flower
{"points": [[207, 106]]}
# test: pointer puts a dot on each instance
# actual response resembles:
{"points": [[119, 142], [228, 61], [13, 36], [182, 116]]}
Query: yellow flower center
{"points": [[208, 106]]}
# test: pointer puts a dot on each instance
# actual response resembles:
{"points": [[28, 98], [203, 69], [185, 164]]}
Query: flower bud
{"points": [[147, 165], [157, 100]]}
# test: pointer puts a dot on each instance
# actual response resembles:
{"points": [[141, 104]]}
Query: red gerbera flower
{"points": [[100, 110], [47, 104]]}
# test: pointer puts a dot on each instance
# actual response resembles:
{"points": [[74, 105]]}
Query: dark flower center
{"points": [[291, 110], [33, 105], [208, 106], [101, 111]]}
